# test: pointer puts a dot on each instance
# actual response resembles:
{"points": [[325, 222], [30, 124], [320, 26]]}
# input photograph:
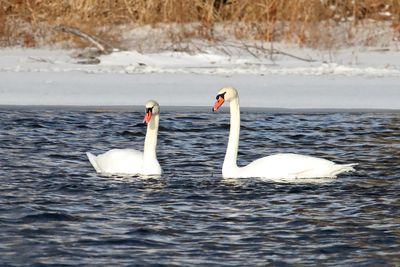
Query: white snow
{"points": [[356, 78]]}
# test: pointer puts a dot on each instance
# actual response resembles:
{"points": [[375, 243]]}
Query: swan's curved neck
{"points": [[150, 142], [230, 161]]}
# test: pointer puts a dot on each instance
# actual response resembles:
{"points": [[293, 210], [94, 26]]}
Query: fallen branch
{"points": [[278, 52], [272, 51], [102, 46], [40, 59]]}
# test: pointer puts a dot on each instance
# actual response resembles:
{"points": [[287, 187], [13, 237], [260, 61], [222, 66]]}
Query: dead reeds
{"points": [[29, 22]]}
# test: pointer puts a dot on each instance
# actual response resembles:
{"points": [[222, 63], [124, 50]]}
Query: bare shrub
{"points": [[298, 21]]}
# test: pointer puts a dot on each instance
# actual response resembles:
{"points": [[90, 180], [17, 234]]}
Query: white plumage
{"points": [[131, 161], [278, 166]]}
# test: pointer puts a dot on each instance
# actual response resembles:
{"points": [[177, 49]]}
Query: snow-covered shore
{"points": [[355, 80]]}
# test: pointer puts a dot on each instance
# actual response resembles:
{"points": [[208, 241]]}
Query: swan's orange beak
{"points": [[147, 116], [220, 101]]}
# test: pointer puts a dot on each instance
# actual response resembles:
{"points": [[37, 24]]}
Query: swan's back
{"points": [[118, 161], [290, 166]]}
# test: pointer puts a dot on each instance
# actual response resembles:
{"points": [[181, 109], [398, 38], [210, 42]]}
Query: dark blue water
{"points": [[55, 210]]}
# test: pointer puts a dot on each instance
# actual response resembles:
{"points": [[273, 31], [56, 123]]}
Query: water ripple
{"points": [[54, 210]]}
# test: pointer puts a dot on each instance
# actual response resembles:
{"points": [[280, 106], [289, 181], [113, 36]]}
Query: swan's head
{"points": [[152, 108], [225, 94]]}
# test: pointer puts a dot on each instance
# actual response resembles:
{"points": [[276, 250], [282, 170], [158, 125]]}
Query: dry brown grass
{"points": [[29, 22]]}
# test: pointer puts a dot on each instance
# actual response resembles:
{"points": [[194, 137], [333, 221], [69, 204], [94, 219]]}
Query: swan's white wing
{"points": [[93, 160], [118, 161], [293, 166]]}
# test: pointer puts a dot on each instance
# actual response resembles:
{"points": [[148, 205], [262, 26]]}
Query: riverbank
{"points": [[54, 77]]}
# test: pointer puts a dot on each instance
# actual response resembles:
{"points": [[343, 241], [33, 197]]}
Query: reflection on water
{"points": [[235, 181], [54, 209]]}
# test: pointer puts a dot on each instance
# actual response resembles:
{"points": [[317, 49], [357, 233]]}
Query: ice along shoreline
{"points": [[51, 78]]}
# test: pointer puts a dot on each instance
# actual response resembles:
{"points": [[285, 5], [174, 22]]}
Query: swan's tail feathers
{"points": [[344, 168], [93, 160]]}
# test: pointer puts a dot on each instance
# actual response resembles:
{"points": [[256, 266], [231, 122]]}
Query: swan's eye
{"points": [[149, 110], [221, 95]]}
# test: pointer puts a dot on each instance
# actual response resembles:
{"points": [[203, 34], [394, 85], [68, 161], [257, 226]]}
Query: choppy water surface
{"points": [[54, 209]]}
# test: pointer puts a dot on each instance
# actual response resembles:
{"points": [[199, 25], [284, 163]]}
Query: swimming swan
{"points": [[131, 161], [286, 166]]}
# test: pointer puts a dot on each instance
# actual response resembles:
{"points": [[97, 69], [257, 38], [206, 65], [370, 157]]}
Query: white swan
{"points": [[286, 166], [130, 161]]}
